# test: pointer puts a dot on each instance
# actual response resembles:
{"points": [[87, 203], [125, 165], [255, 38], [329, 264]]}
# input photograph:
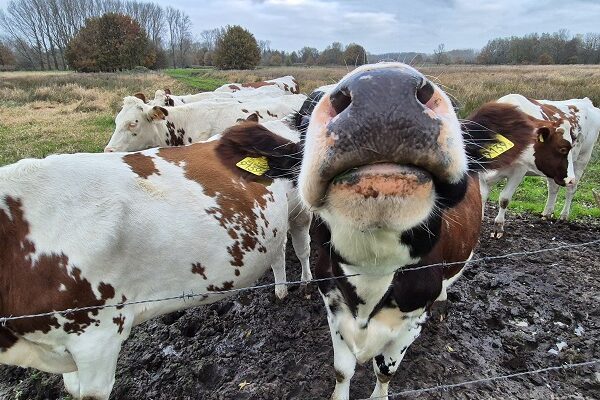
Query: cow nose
{"points": [[109, 150], [385, 115]]}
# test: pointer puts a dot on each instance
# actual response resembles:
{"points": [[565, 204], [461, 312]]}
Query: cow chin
{"points": [[380, 196]]}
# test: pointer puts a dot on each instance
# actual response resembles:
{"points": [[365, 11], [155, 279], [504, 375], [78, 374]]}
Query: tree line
{"points": [[548, 48]]}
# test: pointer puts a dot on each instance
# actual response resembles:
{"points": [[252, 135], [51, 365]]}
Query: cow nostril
{"points": [[340, 100], [425, 93]]}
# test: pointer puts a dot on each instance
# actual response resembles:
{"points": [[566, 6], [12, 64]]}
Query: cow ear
{"points": [[167, 91], [543, 133], [140, 96], [157, 113], [255, 153], [252, 117], [495, 135]]}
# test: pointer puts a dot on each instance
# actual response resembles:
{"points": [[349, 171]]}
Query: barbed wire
{"points": [[489, 379], [191, 295]]}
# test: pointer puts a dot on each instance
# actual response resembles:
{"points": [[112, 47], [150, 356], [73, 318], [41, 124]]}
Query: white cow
{"points": [[166, 99], [561, 154], [285, 83], [141, 126], [105, 229]]}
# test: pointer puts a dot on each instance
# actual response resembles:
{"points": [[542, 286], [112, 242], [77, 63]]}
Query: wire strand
{"points": [[192, 295]]}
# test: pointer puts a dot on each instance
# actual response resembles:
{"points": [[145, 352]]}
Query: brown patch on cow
{"points": [[228, 285], [141, 164], [55, 284], [275, 231], [189, 139], [245, 111], [157, 113], [123, 300], [459, 233], [270, 114], [174, 137], [256, 85], [235, 88], [141, 96], [167, 91], [120, 322], [550, 151], [252, 118], [7, 339], [237, 199], [197, 268], [557, 116], [258, 113], [296, 88]]}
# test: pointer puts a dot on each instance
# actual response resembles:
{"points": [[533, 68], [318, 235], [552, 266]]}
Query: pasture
{"points": [[505, 315], [45, 113]]}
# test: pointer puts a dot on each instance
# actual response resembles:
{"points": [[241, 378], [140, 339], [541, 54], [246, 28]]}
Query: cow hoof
{"points": [[281, 292], [496, 234]]}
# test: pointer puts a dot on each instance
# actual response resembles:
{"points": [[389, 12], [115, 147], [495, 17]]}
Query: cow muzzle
{"points": [[382, 139]]}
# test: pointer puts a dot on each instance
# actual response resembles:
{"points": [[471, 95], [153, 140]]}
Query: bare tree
{"points": [[439, 54]]}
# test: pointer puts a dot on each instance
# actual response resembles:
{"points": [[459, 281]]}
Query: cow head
{"points": [[137, 126], [384, 152], [552, 154]]}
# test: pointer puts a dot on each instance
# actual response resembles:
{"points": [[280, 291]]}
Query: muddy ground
{"points": [[505, 316]]}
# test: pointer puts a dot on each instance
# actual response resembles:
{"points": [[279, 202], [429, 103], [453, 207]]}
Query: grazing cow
{"points": [[105, 229], [141, 126], [386, 170], [561, 151], [287, 83], [166, 99]]}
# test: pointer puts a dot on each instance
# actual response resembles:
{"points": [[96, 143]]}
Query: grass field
{"points": [[45, 113]]}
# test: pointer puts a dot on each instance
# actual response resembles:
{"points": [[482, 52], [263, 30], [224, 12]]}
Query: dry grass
{"points": [[43, 113], [64, 112]]}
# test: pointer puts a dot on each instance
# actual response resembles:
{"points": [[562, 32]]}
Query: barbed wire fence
{"points": [[409, 392]]}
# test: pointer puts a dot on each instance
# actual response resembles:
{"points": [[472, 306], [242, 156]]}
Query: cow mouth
{"points": [[382, 195]]}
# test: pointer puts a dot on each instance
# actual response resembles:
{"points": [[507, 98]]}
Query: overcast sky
{"points": [[391, 25]]}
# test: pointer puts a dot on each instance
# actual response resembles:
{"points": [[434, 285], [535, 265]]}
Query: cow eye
{"points": [[564, 150]]}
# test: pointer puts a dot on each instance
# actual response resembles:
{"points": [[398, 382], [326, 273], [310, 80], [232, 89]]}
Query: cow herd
{"points": [[198, 193]]}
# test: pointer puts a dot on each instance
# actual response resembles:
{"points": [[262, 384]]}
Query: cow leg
{"points": [[564, 214], [486, 182], [71, 381], [299, 230], [507, 193], [344, 363], [278, 268], [551, 202], [95, 353], [386, 363]]}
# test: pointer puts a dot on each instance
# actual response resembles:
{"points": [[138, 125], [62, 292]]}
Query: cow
{"points": [[107, 229], [561, 152], [166, 99], [287, 83], [391, 176], [141, 126]]}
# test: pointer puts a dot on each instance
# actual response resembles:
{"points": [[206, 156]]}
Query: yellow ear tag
{"points": [[255, 165], [498, 148], [540, 138]]}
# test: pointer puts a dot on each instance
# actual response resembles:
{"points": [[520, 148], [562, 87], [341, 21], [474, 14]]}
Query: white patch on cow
{"points": [[62, 288], [366, 77]]}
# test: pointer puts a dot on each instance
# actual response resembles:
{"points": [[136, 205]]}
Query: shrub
{"points": [[236, 49], [109, 43]]}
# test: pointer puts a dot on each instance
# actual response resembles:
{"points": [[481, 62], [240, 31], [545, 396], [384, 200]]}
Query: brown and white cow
{"points": [[561, 151], [141, 126], [391, 173], [286, 83], [164, 98], [99, 229]]}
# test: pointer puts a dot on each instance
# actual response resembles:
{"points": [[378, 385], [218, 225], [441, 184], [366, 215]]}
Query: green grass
{"points": [[196, 78], [531, 194]]}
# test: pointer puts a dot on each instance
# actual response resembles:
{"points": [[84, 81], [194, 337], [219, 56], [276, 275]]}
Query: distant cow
{"points": [[166, 99], [141, 126], [105, 229], [392, 175], [560, 151], [287, 83]]}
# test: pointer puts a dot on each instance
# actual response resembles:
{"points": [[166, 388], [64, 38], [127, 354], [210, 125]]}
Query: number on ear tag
{"points": [[255, 165], [494, 150]]}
